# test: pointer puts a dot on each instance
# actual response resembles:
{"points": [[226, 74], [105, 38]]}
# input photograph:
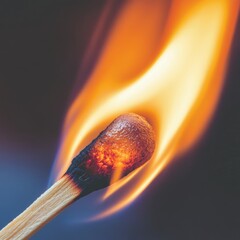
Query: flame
{"points": [[165, 62]]}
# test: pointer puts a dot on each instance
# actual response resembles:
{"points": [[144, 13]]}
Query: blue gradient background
{"points": [[42, 44]]}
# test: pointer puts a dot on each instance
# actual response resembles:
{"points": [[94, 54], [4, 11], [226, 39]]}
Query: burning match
{"points": [[126, 144]]}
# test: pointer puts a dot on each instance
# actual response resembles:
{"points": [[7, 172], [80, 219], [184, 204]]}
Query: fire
{"points": [[167, 67]]}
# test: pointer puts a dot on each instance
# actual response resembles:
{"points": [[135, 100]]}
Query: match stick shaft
{"points": [[47, 206]]}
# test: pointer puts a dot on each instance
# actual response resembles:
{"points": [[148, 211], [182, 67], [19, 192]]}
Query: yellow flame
{"points": [[168, 68]]}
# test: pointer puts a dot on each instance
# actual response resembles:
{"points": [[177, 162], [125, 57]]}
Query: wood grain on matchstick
{"points": [[47, 206]]}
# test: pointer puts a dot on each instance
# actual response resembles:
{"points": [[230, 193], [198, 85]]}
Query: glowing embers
{"points": [[127, 143]]}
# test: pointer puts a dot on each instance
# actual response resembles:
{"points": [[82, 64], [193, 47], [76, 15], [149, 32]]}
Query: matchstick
{"points": [[46, 207], [126, 144]]}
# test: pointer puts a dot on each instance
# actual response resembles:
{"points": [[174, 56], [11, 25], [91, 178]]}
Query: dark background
{"points": [[42, 44]]}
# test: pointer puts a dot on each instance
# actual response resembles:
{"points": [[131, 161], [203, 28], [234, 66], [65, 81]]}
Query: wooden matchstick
{"points": [[45, 208], [127, 143]]}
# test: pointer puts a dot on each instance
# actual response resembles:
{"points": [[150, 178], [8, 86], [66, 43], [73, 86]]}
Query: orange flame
{"points": [[168, 68]]}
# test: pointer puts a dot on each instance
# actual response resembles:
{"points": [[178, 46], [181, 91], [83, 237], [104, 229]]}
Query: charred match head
{"points": [[126, 144]]}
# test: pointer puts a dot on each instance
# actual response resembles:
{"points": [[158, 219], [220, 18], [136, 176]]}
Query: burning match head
{"points": [[126, 144]]}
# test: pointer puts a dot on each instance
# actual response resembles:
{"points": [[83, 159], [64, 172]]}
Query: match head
{"points": [[126, 144]]}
